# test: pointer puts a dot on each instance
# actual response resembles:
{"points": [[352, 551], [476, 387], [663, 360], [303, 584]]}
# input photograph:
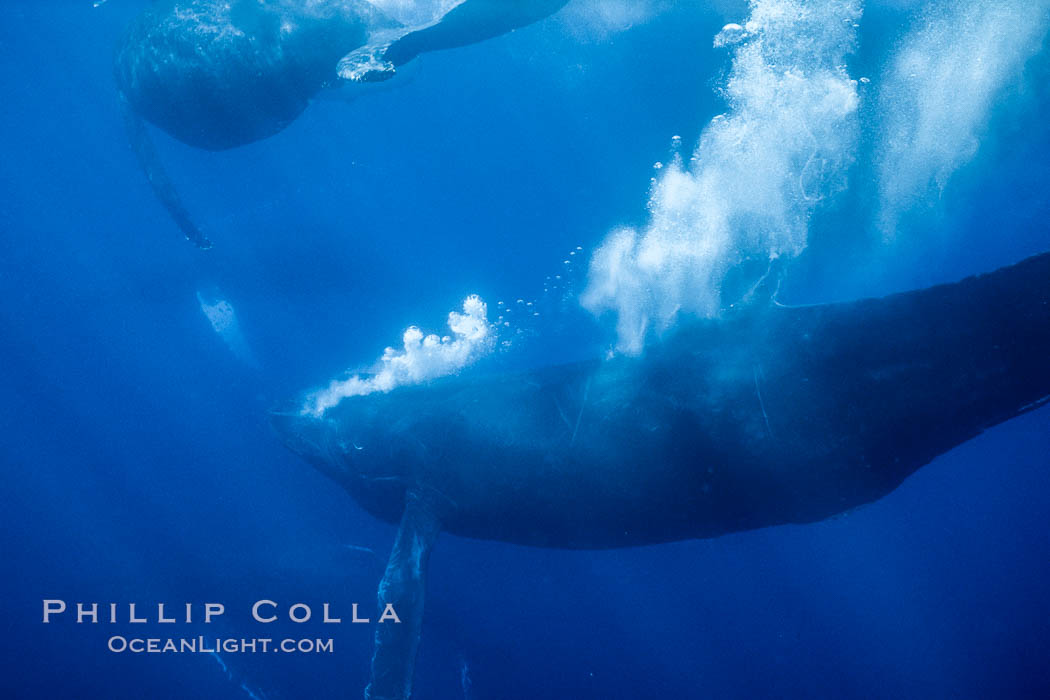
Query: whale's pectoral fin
{"points": [[158, 178], [366, 64], [468, 23], [401, 592]]}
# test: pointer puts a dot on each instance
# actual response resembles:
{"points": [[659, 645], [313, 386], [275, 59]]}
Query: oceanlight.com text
{"points": [[213, 645]]}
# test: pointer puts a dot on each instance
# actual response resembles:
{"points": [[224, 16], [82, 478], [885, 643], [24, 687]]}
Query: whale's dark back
{"points": [[869, 391], [768, 416], [217, 75]]}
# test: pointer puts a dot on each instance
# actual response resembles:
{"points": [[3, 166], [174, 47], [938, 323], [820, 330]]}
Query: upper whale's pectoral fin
{"points": [[401, 595], [367, 64], [468, 23], [158, 178]]}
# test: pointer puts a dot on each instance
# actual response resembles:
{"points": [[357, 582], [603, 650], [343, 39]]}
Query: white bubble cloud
{"points": [[940, 88], [420, 358], [759, 171]]}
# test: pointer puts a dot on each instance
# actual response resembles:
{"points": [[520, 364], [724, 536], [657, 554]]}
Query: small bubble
{"points": [[657, 165], [865, 80]]}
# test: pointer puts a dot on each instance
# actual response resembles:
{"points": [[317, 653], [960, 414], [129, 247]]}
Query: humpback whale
{"points": [[767, 415], [217, 74]]}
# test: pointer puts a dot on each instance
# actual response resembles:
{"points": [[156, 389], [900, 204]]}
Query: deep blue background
{"points": [[138, 464]]}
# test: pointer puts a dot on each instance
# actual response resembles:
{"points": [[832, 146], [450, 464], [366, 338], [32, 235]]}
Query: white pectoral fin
{"points": [[400, 602], [366, 64], [369, 63]]}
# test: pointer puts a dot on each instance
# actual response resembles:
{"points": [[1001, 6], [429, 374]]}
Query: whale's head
{"points": [[218, 75], [358, 449]]}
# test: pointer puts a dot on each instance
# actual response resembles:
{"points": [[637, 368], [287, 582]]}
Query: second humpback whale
{"points": [[217, 74], [768, 415]]}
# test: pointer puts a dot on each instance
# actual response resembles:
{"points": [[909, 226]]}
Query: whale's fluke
{"points": [[162, 186]]}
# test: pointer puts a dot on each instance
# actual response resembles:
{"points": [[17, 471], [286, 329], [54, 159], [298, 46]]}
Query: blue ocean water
{"points": [[140, 465]]}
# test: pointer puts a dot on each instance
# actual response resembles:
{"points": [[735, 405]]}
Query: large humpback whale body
{"points": [[766, 416], [217, 74]]}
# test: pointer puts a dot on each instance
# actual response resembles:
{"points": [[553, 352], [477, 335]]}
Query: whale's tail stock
{"points": [[913, 374]]}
